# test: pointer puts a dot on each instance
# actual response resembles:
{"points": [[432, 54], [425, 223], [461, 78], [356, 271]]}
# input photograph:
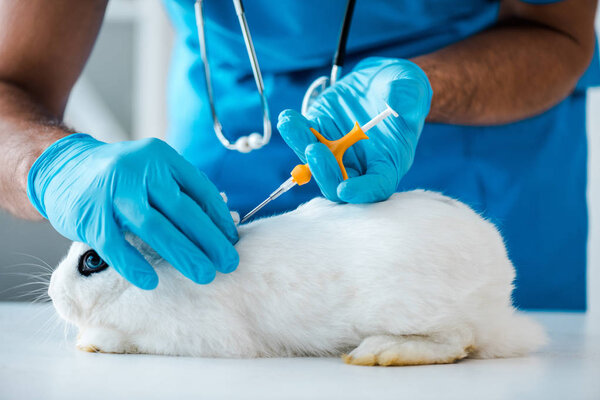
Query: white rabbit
{"points": [[417, 279]]}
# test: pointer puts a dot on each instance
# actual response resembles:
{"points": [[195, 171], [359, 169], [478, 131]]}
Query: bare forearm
{"points": [[26, 130], [513, 71], [43, 48]]}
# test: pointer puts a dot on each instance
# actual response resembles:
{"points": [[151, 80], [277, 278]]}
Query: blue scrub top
{"points": [[528, 177]]}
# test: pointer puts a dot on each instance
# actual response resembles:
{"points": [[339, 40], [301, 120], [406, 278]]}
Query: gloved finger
{"points": [[378, 184], [193, 222], [199, 188], [125, 258], [295, 131], [157, 232], [325, 169]]}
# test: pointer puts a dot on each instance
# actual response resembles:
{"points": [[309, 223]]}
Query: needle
{"points": [[287, 185]]}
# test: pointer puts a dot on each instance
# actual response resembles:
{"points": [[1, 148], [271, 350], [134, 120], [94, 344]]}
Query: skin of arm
{"points": [[522, 66], [43, 48], [525, 64]]}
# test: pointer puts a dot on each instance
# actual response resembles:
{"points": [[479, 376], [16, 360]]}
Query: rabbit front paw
{"points": [[103, 340]]}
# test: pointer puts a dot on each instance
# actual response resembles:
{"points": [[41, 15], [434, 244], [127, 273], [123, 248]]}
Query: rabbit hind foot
{"points": [[392, 350]]}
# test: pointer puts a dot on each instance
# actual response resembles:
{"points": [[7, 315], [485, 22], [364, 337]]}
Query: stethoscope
{"points": [[255, 141]]}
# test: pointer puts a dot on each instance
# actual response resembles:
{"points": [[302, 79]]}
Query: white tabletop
{"points": [[38, 361]]}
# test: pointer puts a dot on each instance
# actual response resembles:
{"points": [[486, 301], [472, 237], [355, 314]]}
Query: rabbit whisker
{"points": [[34, 257]]}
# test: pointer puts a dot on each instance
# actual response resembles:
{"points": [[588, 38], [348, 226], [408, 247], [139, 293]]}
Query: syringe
{"points": [[301, 173]]}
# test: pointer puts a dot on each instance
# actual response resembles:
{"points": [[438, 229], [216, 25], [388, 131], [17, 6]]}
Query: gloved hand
{"points": [[92, 192], [374, 166]]}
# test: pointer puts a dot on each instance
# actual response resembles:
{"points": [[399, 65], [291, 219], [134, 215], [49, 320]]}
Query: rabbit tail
{"points": [[510, 335]]}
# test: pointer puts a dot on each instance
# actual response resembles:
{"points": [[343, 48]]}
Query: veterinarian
{"points": [[493, 92]]}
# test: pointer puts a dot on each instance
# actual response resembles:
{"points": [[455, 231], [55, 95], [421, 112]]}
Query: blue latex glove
{"points": [[92, 192], [375, 166]]}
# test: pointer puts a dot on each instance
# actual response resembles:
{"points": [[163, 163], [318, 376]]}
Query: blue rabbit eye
{"points": [[93, 261], [90, 263]]}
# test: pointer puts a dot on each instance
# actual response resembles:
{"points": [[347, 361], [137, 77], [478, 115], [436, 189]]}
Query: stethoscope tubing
{"points": [[255, 141], [323, 82], [340, 52]]}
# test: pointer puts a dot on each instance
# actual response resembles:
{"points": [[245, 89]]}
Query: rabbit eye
{"points": [[90, 263]]}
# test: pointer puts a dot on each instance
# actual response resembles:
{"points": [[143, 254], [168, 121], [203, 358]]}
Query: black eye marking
{"points": [[90, 263]]}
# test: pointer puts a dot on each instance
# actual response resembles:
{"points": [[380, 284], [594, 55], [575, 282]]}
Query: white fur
{"points": [[417, 279]]}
